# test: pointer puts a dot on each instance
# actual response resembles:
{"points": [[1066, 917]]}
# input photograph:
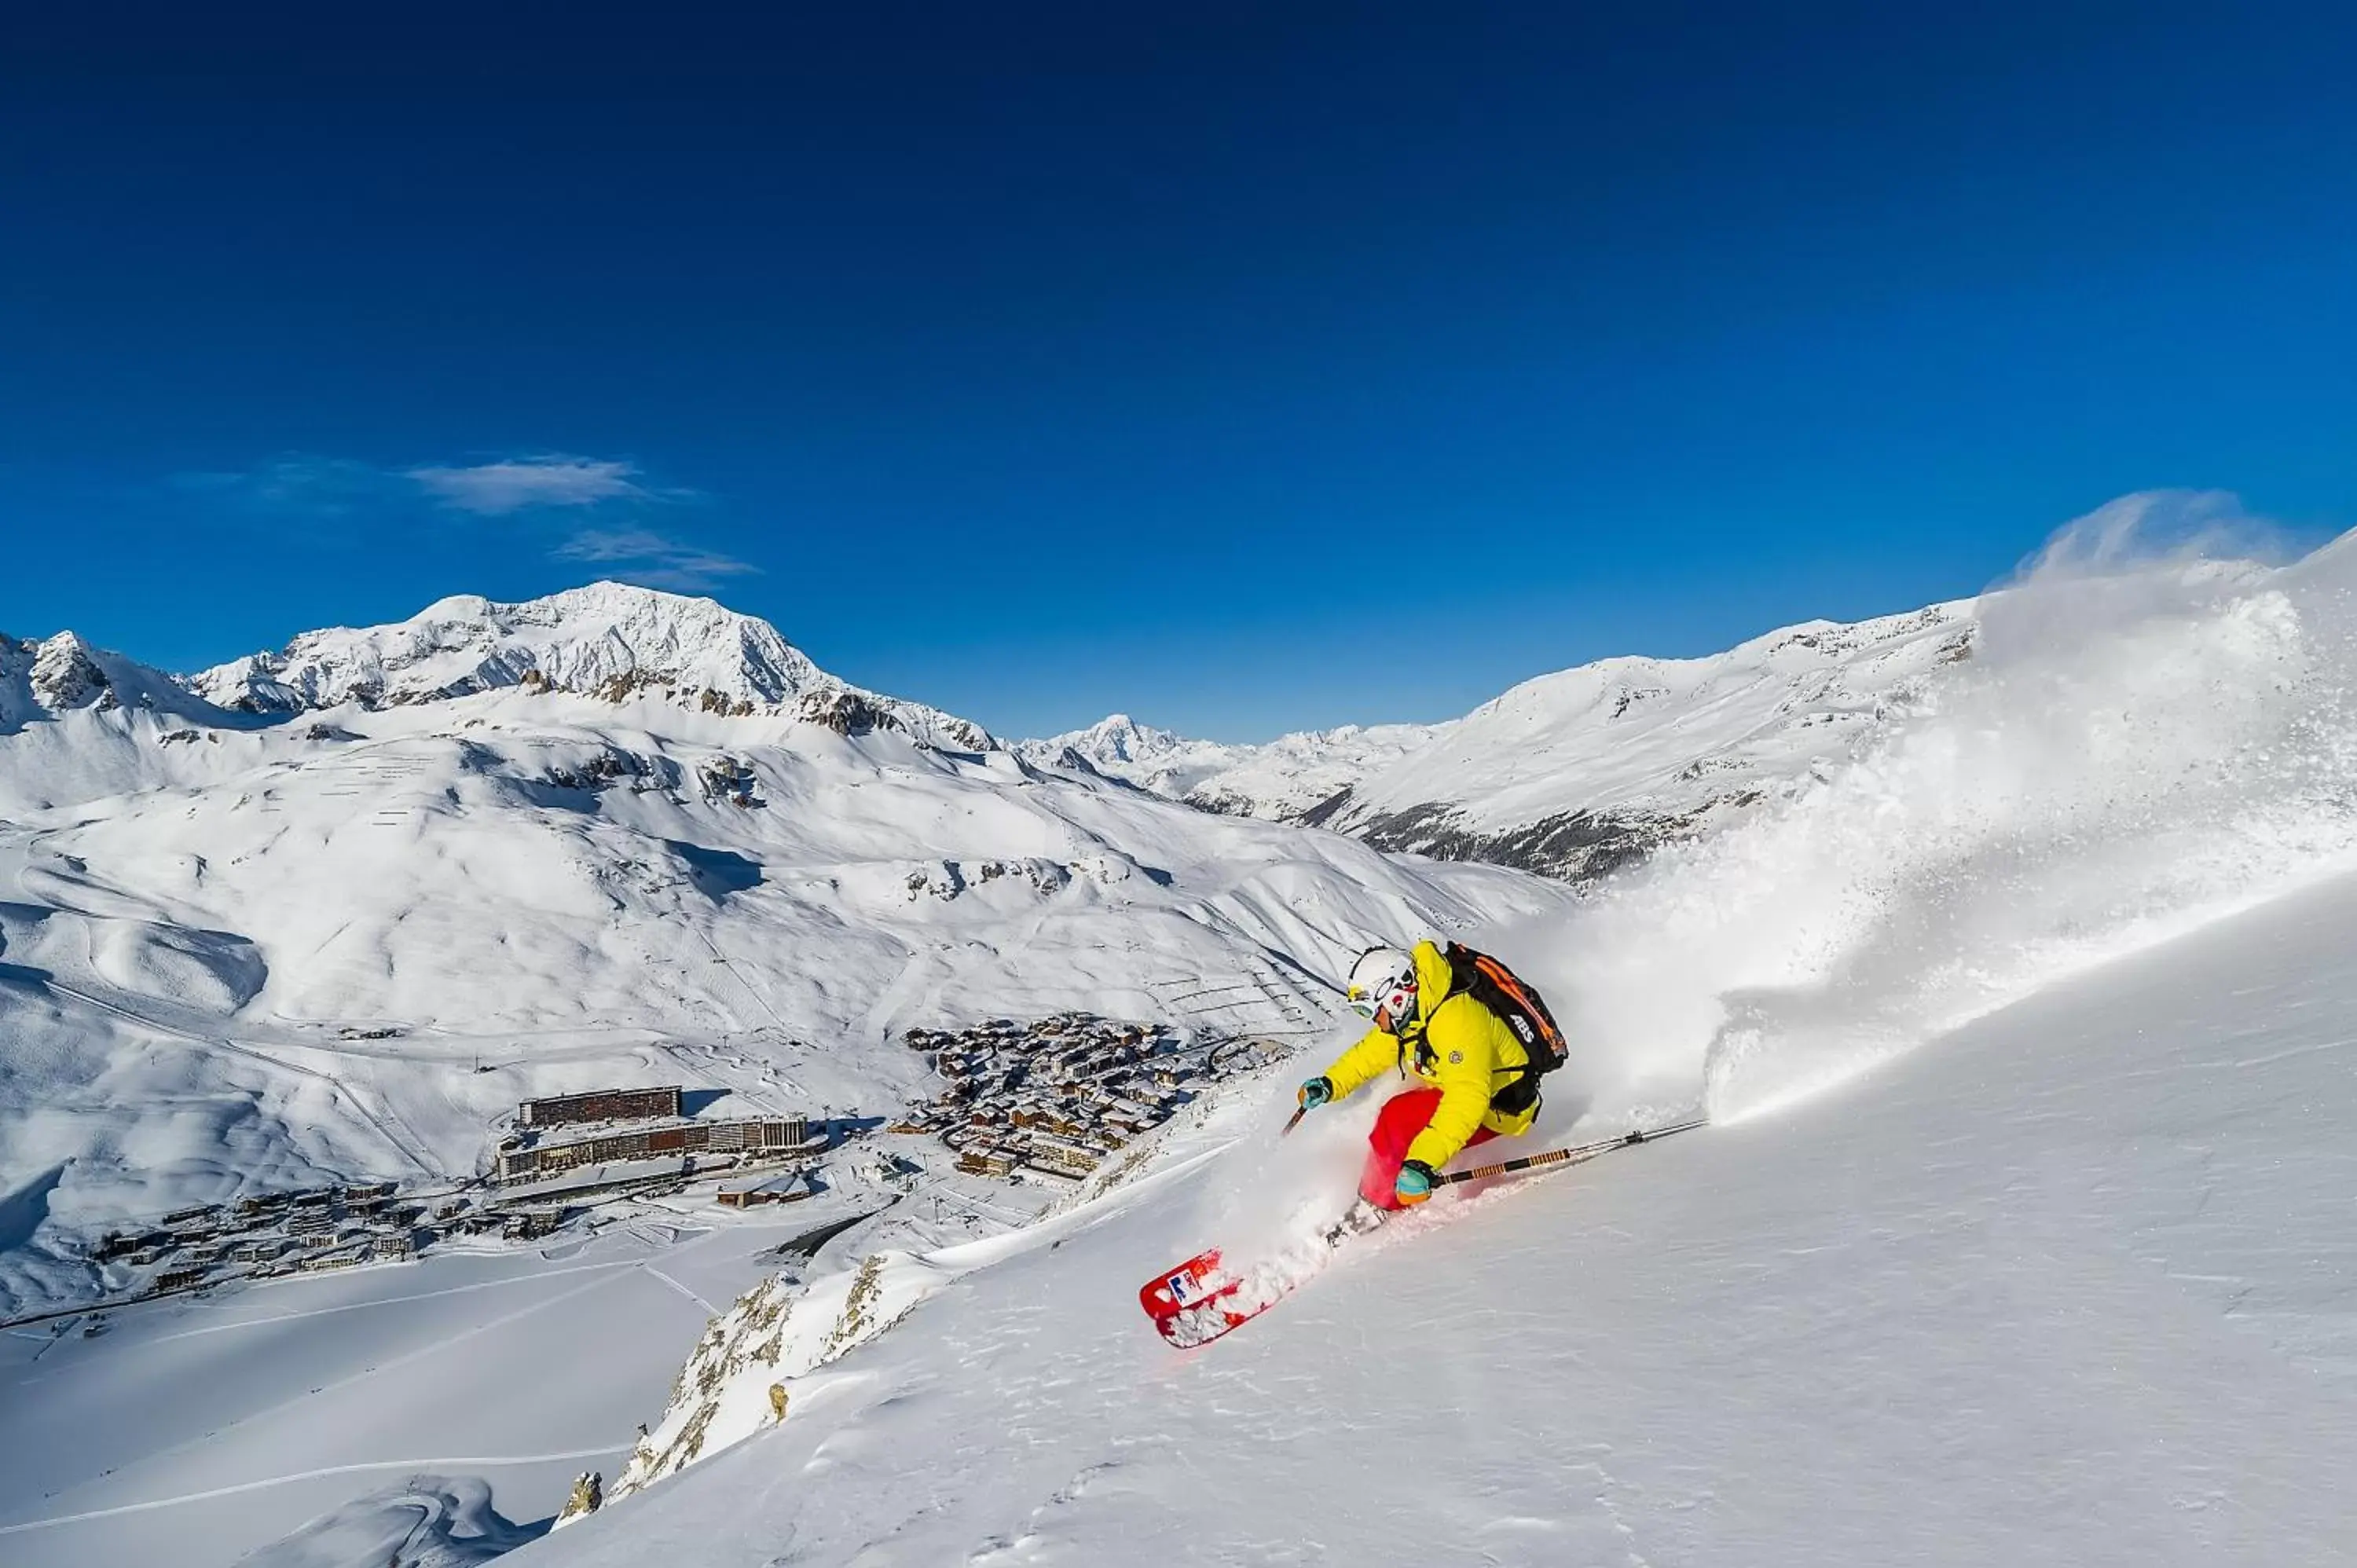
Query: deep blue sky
{"points": [[1246, 368]]}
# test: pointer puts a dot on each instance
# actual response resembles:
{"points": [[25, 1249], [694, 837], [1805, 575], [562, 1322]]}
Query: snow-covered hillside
{"points": [[2020, 1236], [1579, 773], [2071, 1287], [567, 888]]}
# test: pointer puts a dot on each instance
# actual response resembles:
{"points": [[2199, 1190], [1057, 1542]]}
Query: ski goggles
{"points": [[1397, 1000]]}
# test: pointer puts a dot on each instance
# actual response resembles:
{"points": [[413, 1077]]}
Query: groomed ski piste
{"points": [[2024, 1233]]}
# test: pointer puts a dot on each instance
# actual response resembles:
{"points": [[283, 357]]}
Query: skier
{"points": [[1480, 1039], [1483, 1083]]}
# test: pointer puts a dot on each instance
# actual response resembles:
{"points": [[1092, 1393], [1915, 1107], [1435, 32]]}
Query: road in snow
{"points": [[2074, 1286]]}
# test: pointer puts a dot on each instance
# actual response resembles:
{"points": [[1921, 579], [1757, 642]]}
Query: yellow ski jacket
{"points": [[1455, 1043]]}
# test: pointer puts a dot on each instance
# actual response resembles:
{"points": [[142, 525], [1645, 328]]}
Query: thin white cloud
{"points": [[303, 483], [653, 560], [550, 479]]}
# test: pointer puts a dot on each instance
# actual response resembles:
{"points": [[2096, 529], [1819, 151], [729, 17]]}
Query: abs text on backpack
{"points": [[1525, 1011]]}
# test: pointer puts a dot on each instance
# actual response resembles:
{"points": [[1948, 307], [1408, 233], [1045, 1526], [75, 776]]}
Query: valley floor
{"points": [[2075, 1285], [193, 1431]]}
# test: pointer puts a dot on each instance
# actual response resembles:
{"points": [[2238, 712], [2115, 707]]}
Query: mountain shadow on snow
{"points": [[717, 873], [26, 1209]]}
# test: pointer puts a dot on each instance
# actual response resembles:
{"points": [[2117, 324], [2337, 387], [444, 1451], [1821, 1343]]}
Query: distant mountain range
{"points": [[1572, 775], [1282, 781]]}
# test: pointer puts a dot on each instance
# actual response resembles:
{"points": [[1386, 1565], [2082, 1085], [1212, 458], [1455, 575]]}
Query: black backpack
{"points": [[1523, 1010]]}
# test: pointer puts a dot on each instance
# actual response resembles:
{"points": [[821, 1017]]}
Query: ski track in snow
{"points": [[682, 1289], [277, 1318], [468, 1463]]}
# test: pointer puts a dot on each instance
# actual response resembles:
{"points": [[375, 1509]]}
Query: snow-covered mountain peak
{"points": [[1117, 737], [1284, 778], [49, 677], [65, 675], [460, 608], [1118, 747], [610, 640]]}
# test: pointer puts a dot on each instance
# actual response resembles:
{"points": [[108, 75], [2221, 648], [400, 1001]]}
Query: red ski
{"points": [[1185, 1301], [1202, 1298]]}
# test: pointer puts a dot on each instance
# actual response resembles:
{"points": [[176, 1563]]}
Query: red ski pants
{"points": [[1402, 1117]]}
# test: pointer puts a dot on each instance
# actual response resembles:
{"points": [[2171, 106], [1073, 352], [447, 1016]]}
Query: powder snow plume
{"points": [[2156, 729]]}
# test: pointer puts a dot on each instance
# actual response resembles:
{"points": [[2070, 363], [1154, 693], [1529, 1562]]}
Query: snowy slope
{"points": [[2019, 1239], [2070, 1287], [420, 1522], [193, 1431]]}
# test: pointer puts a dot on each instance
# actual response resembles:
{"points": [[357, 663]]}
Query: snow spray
{"points": [[2155, 729]]}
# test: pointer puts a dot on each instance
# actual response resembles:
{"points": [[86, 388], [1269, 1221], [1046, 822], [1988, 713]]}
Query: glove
{"points": [[1316, 1093], [1416, 1182]]}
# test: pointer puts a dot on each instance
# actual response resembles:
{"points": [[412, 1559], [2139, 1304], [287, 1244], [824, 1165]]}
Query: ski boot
{"points": [[1357, 1220]]}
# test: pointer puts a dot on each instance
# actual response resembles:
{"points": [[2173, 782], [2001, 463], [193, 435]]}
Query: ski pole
{"points": [[1293, 1121], [1569, 1156]]}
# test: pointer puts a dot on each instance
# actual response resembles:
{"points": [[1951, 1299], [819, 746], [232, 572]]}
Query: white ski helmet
{"points": [[1382, 987]]}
